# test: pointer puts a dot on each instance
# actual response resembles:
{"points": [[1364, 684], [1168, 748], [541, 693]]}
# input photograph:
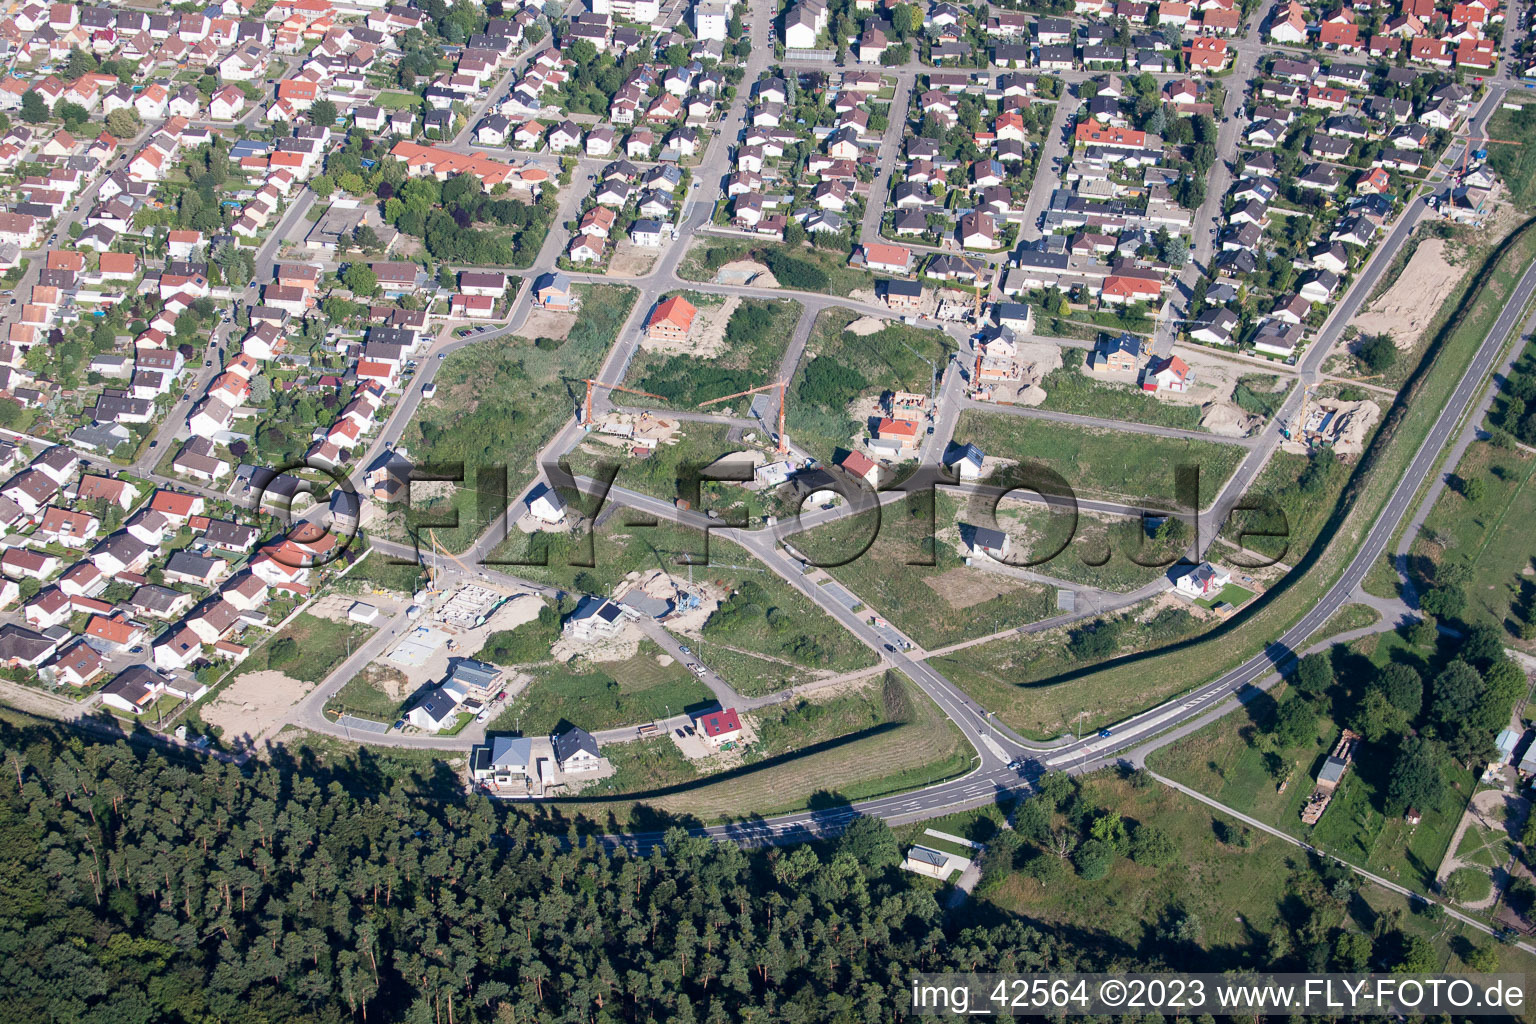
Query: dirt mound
{"points": [[1228, 420], [864, 326], [746, 272], [1029, 394]]}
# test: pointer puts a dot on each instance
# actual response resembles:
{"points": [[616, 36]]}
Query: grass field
{"points": [[1235, 897], [1515, 164], [1069, 389], [839, 367], [782, 637], [935, 604], [498, 403], [1104, 464], [756, 338], [321, 646], [1491, 535], [1347, 618], [884, 739], [662, 473], [602, 695], [1228, 761], [1034, 684]]}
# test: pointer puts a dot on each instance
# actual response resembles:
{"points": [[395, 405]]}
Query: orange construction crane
{"points": [[980, 289], [592, 385], [783, 386]]}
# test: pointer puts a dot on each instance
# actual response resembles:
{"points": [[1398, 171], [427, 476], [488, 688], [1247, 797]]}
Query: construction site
{"points": [[1329, 423]]}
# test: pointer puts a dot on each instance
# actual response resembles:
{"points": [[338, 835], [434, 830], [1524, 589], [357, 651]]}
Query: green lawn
{"points": [[680, 458], [398, 101], [364, 695], [1088, 549], [1106, 464], [756, 337], [934, 604], [498, 403], [1350, 617], [1231, 594], [839, 367], [602, 695]]}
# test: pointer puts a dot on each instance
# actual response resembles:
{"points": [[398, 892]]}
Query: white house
{"points": [[1203, 581]]}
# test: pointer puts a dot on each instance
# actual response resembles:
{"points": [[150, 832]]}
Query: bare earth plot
{"points": [[1405, 309], [254, 702]]}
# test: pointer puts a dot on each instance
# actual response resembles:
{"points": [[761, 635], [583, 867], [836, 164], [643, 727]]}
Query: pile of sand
{"points": [[1228, 420], [865, 326], [746, 272], [1406, 308]]}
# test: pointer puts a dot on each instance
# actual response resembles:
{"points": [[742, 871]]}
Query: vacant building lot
{"points": [[1106, 464], [735, 345], [602, 695]]}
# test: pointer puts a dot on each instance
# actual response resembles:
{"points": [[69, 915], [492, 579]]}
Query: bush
{"points": [[1378, 353], [526, 644], [793, 272], [1098, 639], [282, 652], [1094, 859], [1444, 602], [547, 344]]}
